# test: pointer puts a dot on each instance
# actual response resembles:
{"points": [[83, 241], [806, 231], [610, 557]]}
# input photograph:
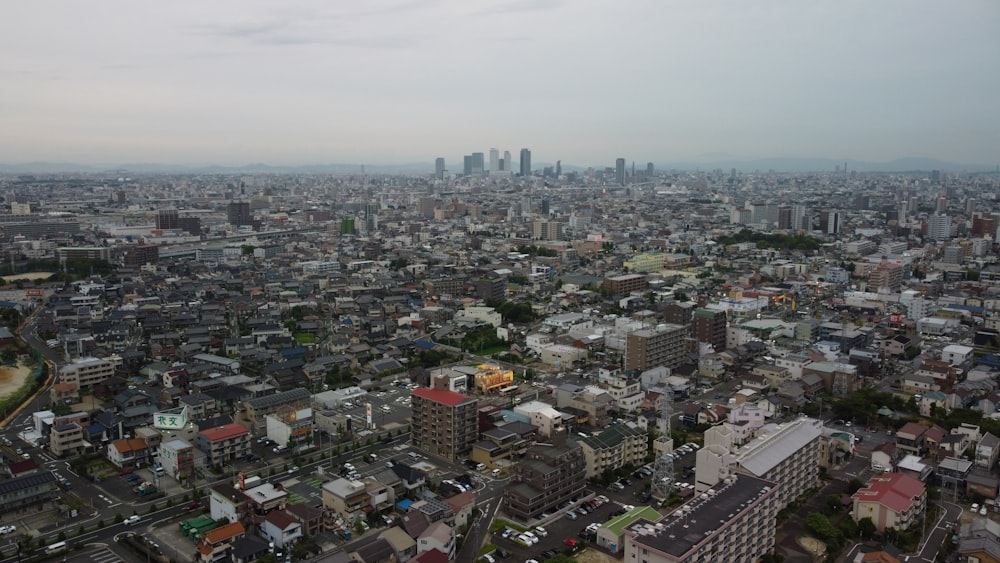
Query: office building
{"points": [[478, 164], [829, 222], [445, 423], [887, 275], [507, 161], [439, 168], [525, 162], [663, 345], [547, 230], [620, 171], [494, 161], [548, 476], [734, 522]]}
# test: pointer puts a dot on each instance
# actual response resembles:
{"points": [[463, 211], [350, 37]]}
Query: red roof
{"points": [[895, 491], [224, 432], [442, 396], [223, 533], [433, 555]]}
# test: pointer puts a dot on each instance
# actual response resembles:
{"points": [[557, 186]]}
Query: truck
{"points": [[146, 488]]}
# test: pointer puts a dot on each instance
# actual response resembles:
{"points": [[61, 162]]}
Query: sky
{"points": [[582, 81]]}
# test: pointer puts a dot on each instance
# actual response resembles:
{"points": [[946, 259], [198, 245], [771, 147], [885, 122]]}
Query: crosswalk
{"points": [[103, 555]]}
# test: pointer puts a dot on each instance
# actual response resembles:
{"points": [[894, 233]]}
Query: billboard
{"points": [[171, 419], [491, 377]]}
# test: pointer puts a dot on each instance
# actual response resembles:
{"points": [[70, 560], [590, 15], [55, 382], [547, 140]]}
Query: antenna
{"points": [[663, 467]]}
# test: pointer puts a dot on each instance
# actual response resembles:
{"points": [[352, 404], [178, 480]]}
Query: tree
{"points": [[866, 528], [833, 503]]}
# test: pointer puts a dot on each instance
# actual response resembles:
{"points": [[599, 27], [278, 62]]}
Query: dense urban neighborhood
{"points": [[510, 363]]}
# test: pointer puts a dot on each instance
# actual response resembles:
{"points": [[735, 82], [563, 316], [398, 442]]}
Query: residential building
{"points": [[27, 490], [891, 500], [664, 345], [709, 326], [254, 411], [280, 528], [224, 443], [625, 284], [444, 423], [440, 536], [787, 454], [86, 372], [979, 541], [987, 451], [735, 522], [177, 458], [610, 535], [216, 543], [67, 440], [614, 447], [128, 452], [548, 476]]}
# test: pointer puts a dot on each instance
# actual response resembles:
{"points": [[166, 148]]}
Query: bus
{"points": [[56, 547], [509, 390]]}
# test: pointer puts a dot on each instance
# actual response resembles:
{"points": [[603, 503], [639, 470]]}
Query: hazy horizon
{"points": [[392, 82]]}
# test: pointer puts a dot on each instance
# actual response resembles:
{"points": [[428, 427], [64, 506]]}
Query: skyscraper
{"points": [[507, 162], [494, 161], [939, 227], [558, 168], [649, 170], [467, 165], [477, 163], [167, 219], [620, 171], [439, 168], [525, 162], [238, 213]]}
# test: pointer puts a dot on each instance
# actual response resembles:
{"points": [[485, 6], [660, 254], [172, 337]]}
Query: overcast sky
{"points": [[398, 81]]}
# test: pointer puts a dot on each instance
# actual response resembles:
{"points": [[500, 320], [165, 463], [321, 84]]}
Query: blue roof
{"points": [[970, 308], [405, 504], [425, 344], [989, 360]]}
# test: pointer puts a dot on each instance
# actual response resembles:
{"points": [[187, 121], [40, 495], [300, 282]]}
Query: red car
{"points": [[126, 471], [570, 542]]}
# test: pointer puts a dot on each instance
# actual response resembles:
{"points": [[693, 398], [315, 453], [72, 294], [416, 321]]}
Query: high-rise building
{"points": [[939, 227], [620, 171], [238, 213], [445, 423], [664, 345], [525, 162], [829, 222], [494, 161], [558, 168], [507, 162], [709, 326], [167, 219], [467, 165], [478, 165], [983, 225], [784, 217], [439, 168]]}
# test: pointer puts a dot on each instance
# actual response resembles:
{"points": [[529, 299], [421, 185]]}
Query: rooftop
{"points": [[443, 396]]}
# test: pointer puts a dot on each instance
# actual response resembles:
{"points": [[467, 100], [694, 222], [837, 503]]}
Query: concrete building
{"points": [[86, 372], [734, 522], [709, 326], [254, 412], [548, 476], [445, 423], [614, 447], [224, 443], [891, 500], [664, 345]]}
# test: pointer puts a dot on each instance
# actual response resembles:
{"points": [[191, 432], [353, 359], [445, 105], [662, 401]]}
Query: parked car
{"points": [[570, 542], [541, 531], [126, 471]]}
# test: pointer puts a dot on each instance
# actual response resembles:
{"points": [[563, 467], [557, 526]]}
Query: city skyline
{"points": [[397, 82]]}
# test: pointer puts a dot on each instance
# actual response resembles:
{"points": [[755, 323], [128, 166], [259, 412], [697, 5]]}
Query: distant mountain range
{"points": [[710, 162]]}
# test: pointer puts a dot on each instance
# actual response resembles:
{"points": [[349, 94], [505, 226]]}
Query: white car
{"points": [[534, 538], [4, 530], [134, 519], [526, 540], [541, 531]]}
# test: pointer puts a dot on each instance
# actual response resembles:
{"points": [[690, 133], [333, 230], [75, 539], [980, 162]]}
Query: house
{"points": [[216, 543], [128, 452], [952, 474], [979, 540], [440, 536], [884, 456], [987, 451], [280, 528], [378, 551], [891, 500], [910, 438], [402, 543]]}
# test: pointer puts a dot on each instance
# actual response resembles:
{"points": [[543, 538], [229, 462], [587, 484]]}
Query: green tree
{"points": [[866, 529], [833, 503]]}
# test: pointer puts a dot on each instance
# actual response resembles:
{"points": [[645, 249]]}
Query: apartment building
{"points": [[891, 500], [67, 440], [709, 326], [614, 447], [664, 345], [86, 372], [177, 458], [223, 443], [445, 423], [734, 522], [548, 476], [254, 411], [787, 454], [625, 284]]}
